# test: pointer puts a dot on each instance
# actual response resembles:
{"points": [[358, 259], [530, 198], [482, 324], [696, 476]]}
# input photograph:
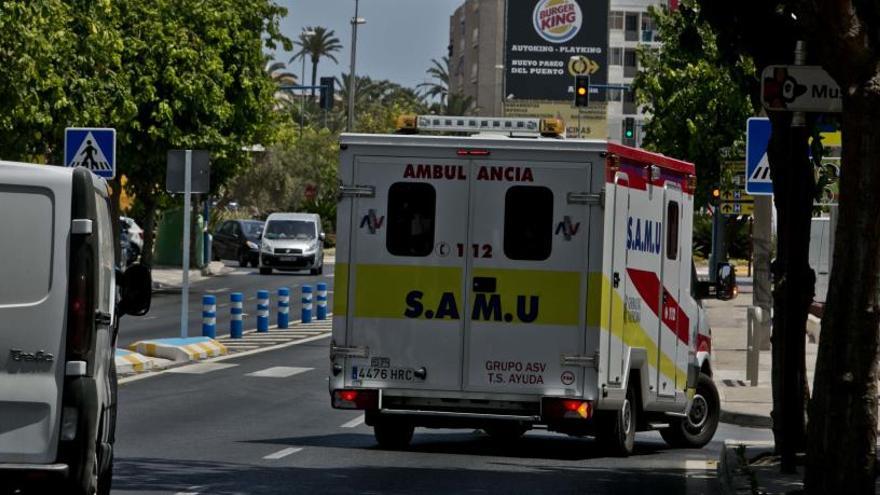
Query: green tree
{"points": [[279, 74], [61, 67], [198, 81], [698, 101], [842, 433], [439, 86], [767, 32], [322, 43]]}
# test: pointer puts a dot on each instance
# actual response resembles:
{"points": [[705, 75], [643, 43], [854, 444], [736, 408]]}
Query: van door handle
{"points": [[102, 318], [616, 279]]}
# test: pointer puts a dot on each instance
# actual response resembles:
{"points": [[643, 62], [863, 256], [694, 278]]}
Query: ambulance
{"points": [[504, 278]]}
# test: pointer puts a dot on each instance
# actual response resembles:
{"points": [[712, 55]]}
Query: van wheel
{"points": [[265, 271], [393, 436], [616, 430], [698, 428]]}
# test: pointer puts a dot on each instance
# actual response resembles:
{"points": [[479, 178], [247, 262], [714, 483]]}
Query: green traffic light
{"points": [[629, 133]]}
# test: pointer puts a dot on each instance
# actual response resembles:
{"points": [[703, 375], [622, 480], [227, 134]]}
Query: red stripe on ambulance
{"points": [[648, 285]]}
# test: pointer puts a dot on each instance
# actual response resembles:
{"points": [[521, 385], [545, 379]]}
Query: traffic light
{"points": [[328, 85], [716, 196], [581, 91], [629, 131]]}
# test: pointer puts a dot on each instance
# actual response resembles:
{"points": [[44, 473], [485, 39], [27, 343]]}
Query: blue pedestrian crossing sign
{"points": [[758, 180], [92, 148]]}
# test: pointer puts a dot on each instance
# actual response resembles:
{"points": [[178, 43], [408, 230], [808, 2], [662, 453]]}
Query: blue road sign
{"points": [[758, 180], [93, 148]]}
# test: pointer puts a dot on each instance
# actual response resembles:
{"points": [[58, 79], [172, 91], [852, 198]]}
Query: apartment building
{"points": [[477, 50], [476, 54]]}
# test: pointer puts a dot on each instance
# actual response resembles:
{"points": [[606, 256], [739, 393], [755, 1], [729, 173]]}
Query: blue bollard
{"points": [[321, 298], [209, 316], [307, 304], [262, 311], [283, 307], [236, 325]]}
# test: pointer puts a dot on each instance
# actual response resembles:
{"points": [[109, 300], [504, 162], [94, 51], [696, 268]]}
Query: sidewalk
{"points": [[741, 403], [170, 279]]}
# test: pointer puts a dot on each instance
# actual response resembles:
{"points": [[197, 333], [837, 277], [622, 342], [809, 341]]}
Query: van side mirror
{"points": [[136, 290], [725, 280], [322, 236]]}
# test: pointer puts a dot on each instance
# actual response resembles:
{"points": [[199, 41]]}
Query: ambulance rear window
{"points": [[672, 230], [528, 223], [411, 214]]}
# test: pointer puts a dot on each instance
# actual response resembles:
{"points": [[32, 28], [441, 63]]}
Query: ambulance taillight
{"points": [[562, 408], [355, 399]]}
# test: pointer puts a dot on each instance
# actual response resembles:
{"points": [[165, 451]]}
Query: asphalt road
{"points": [[221, 430], [163, 320]]}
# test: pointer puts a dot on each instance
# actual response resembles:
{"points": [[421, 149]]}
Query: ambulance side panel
{"points": [[647, 315]]}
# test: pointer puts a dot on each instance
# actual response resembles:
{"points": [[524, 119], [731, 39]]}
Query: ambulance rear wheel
{"points": [[393, 436], [616, 431], [698, 428]]}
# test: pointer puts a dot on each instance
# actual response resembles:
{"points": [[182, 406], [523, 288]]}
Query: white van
{"points": [[509, 282], [292, 241], [59, 316]]}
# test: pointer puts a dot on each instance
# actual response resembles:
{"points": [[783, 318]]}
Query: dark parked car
{"points": [[238, 240]]}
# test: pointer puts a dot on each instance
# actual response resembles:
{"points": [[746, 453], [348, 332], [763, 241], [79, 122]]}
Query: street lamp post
{"points": [[351, 78], [302, 107]]}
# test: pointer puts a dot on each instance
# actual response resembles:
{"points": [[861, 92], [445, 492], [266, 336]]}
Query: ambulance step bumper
{"points": [[459, 415]]}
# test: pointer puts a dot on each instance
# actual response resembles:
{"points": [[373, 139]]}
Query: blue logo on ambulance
{"points": [[643, 235]]}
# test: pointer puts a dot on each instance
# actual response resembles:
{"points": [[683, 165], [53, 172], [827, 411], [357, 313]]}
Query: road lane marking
{"points": [[279, 372], [201, 368], [354, 423], [143, 376], [282, 453]]}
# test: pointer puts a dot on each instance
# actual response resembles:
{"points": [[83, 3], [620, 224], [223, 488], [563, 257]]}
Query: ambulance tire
{"points": [[392, 435], [699, 427], [616, 431]]}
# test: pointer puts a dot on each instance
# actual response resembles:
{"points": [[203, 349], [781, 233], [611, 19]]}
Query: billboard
{"points": [[584, 123], [549, 42]]}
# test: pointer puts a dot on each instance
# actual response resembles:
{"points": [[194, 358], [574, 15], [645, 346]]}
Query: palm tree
{"points": [[459, 104], [439, 72], [317, 42], [278, 74]]}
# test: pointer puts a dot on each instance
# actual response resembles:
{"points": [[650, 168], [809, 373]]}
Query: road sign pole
{"points": [[187, 197]]}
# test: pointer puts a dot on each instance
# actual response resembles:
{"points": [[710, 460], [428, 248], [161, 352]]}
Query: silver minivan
{"points": [[292, 241], [61, 296]]}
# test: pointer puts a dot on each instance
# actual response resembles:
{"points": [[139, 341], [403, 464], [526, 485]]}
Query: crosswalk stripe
{"points": [[201, 368], [279, 372], [282, 453], [354, 423]]}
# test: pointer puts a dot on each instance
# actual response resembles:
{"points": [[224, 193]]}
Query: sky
{"points": [[397, 43]]}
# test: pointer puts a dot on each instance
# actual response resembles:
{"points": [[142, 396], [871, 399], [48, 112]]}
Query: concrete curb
{"points": [[129, 363], [740, 418], [745, 419], [180, 350]]}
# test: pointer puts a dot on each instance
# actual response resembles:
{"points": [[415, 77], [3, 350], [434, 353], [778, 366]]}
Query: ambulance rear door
{"points": [[405, 279], [526, 282]]}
